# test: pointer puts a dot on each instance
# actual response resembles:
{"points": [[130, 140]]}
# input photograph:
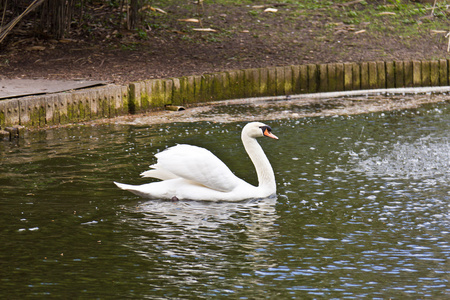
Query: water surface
{"points": [[362, 212]]}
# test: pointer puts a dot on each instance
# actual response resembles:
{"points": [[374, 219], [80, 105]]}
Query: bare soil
{"points": [[245, 37]]}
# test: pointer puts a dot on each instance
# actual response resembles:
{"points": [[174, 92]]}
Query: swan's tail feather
{"points": [[135, 189], [124, 186]]}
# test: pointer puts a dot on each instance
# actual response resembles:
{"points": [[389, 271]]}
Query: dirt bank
{"points": [[245, 35]]}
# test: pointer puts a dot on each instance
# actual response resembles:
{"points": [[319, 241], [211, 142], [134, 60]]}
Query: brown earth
{"points": [[245, 37]]}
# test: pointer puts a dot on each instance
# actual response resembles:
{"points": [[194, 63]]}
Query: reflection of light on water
{"points": [[424, 160], [415, 176], [191, 215], [199, 240]]}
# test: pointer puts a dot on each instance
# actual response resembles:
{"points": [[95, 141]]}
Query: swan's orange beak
{"points": [[270, 134]]}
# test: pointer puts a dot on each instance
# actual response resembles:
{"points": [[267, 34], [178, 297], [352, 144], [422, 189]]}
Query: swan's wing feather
{"points": [[197, 164], [159, 174]]}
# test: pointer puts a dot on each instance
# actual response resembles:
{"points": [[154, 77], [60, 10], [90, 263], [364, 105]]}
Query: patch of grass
{"points": [[379, 18]]}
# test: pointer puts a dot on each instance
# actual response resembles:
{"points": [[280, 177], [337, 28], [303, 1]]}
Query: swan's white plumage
{"points": [[196, 164], [191, 172]]}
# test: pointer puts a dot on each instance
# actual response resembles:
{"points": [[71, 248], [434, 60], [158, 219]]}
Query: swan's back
{"points": [[197, 165]]}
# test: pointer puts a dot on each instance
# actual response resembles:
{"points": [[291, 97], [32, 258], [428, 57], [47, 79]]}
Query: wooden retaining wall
{"points": [[113, 100], [63, 108]]}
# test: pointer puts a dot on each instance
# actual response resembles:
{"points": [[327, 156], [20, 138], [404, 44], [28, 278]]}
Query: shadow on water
{"points": [[362, 211]]}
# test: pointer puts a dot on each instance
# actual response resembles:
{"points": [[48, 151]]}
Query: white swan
{"points": [[193, 173]]}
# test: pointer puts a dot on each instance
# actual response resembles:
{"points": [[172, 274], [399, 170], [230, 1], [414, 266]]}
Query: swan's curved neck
{"points": [[266, 177]]}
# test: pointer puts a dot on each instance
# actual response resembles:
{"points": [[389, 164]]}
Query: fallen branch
{"points": [[7, 29], [432, 11]]}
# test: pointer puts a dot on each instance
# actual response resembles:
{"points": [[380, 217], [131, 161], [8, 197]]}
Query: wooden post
{"points": [[303, 79], [381, 74], [348, 76], [399, 74], [365, 76], [443, 72], [426, 73], [408, 66], [339, 77], [313, 78], [390, 75], [373, 75], [272, 82], [323, 78], [331, 76], [434, 73], [356, 76], [288, 88], [280, 79], [263, 82]]}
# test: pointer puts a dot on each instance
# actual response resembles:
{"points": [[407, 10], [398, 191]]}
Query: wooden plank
{"points": [[9, 112], [331, 69], [103, 111], [399, 73], [280, 79], [198, 86], [434, 73], [390, 75], [323, 78], [408, 67], [339, 77], [373, 75], [272, 82], [313, 78], [348, 76], [426, 73], [303, 79], [256, 82], [249, 83], [417, 73], [296, 79], [356, 76], [381, 74], [288, 88], [51, 110], [263, 85], [443, 72], [365, 76]]}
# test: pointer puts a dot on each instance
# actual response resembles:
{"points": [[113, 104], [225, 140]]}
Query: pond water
{"points": [[362, 211]]}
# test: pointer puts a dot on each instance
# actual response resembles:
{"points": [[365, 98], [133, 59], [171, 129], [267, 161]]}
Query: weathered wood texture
{"points": [[113, 100]]}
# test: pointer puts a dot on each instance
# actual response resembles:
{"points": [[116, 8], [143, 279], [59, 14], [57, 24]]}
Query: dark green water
{"points": [[362, 212]]}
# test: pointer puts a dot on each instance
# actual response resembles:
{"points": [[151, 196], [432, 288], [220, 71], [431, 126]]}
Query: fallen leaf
{"points": [[189, 20], [438, 31], [157, 9], [36, 48], [204, 29], [66, 41]]}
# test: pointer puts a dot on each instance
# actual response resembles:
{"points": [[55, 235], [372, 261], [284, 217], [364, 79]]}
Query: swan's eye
{"points": [[266, 129]]}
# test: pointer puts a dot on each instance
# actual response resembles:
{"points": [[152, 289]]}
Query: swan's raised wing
{"points": [[198, 165]]}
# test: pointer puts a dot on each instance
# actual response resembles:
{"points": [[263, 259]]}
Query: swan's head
{"points": [[258, 129]]}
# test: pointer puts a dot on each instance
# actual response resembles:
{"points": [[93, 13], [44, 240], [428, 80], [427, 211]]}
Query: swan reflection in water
{"points": [[190, 241]]}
